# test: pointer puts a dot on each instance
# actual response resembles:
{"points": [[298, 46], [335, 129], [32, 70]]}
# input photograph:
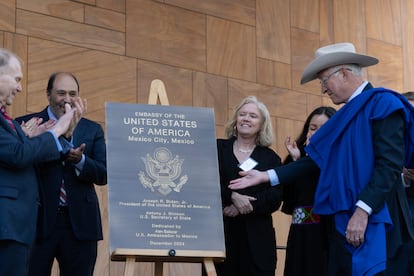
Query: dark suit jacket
{"points": [[256, 229], [18, 183], [82, 200], [383, 186]]}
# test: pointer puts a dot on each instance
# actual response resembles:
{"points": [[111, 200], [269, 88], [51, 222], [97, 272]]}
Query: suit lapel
{"points": [[78, 133]]}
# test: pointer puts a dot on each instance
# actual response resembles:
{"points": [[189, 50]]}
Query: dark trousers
{"points": [[74, 257], [403, 262], [339, 260], [14, 257]]}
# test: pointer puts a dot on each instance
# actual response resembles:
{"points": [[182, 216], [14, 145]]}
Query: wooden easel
{"points": [[208, 265], [157, 90]]}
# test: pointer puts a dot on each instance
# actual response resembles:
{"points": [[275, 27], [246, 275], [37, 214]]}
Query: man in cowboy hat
{"points": [[360, 153], [408, 174]]}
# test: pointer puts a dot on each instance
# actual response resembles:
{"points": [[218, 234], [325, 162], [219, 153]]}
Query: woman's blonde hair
{"points": [[265, 135]]}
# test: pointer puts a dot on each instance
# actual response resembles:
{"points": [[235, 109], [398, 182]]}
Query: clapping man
{"points": [[18, 156], [69, 222]]}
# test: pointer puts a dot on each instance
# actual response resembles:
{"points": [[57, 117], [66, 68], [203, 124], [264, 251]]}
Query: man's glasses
{"points": [[324, 80]]}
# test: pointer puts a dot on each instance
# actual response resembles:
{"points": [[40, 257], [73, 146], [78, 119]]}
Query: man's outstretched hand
{"points": [[248, 179]]}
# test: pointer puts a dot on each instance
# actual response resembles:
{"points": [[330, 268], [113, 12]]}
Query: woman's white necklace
{"points": [[244, 150]]}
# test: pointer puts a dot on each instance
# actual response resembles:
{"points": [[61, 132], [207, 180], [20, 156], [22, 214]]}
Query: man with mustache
{"points": [[69, 222]]}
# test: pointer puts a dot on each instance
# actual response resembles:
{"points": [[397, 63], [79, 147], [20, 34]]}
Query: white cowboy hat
{"points": [[333, 55]]}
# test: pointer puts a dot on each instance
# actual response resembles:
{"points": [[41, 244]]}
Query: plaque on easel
{"points": [[164, 191]]}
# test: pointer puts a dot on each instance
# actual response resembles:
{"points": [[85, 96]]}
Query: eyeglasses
{"points": [[324, 80]]}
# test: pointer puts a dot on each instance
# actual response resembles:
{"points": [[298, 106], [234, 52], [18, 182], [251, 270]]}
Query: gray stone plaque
{"points": [[163, 182]]}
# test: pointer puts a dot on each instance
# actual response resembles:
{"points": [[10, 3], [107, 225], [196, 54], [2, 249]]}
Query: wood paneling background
{"points": [[208, 53]]}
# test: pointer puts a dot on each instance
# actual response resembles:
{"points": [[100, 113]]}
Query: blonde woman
{"points": [[248, 227]]}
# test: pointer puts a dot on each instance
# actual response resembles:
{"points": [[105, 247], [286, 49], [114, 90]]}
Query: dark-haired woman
{"points": [[306, 252]]}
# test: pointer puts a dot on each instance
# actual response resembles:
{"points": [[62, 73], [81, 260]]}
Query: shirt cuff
{"points": [[79, 165], [406, 184], [273, 178], [364, 207], [59, 146]]}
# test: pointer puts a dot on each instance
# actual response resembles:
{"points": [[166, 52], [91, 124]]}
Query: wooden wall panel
{"points": [[273, 30], [182, 269], [211, 91], [326, 19], [209, 53], [59, 30], [265, 71], [306, 15], [69, 10], [281, 223], [116, 5], [384, 20], [280, 102], [91, 2], [388, 72], [304, 44], [105, 18], [102, 77], [103, 258], [407, 27], [314, 101], [147, 268], [231, 49], [349, 23], [7, 15], [167, 34], [242, 11], [274, 73], [286, 127]]}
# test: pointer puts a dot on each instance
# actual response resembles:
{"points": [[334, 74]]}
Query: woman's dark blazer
{"points": [[258, 224]]}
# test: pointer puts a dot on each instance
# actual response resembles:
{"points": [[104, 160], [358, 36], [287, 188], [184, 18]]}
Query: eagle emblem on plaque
{"points": [[162, 171]]}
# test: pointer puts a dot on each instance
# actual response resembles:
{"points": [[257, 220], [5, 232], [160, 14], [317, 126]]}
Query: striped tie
{"points": [[62, 195], [7, 117]]}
